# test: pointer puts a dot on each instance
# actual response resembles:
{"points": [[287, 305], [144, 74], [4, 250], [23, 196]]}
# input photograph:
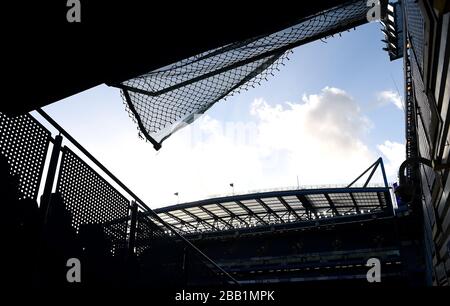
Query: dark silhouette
{"points": [[59, 243], [19, 228]]}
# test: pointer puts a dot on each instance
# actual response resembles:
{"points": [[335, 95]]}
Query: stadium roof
{"points": [[263, 209], [278, 207]]}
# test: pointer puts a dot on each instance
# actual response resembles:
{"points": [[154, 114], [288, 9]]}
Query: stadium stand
{"points": [[59, 202]]}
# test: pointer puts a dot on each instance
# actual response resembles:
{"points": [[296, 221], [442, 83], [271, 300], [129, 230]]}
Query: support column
{"points": [[133, 224], [50, 179]]}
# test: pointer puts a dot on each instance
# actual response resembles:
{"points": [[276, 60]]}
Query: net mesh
{"points": [[164, 100]]}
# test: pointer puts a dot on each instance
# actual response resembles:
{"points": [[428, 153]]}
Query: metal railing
{"points": [[73, 177]]}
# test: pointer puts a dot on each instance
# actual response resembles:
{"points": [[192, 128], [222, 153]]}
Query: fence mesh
{"points": [[24, 143], [166, 99], [92, 200]]}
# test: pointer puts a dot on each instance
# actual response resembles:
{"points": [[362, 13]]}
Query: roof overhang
{"points": [[268, 209]]}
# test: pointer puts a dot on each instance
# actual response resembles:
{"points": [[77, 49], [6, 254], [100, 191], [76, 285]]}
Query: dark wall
{"points": [[427, 24], [321, 255]]}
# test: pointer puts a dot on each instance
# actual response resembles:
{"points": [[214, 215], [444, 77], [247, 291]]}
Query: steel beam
{"points": [[354, 203], [269, 210], [215, 217], [306, 204], [289, 207], [333, 207], [232, 215], [181, 221], [200, 220], [250, 212]]}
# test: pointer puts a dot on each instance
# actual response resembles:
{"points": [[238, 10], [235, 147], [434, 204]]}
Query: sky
{"points": [[326, 116]]}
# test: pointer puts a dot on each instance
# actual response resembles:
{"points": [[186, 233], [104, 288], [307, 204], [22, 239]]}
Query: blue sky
{"points": [[354, 62], [331, 111]]}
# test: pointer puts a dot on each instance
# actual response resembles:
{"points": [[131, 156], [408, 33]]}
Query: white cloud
{"points": [[394, 154], [320, 139], [389, 96]]}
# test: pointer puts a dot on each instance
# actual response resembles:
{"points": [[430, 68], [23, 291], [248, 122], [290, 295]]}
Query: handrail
{"points": [[92, 158]]}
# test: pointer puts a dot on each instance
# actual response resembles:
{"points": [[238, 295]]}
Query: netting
{"points": [[164, 100]]}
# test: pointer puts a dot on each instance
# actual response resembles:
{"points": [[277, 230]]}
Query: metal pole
{"points": [[51, 173], [373, 171], [184, 268], [373, 165], [384, 173], [133, 223]]}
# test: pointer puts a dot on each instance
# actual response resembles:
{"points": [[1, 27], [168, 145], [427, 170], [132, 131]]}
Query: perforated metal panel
{"points": [[24, 142], [415, 24], [90, 198], [145, 232], [116, 233]]}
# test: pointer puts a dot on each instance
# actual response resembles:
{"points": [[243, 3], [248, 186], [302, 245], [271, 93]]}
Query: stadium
{"points": [[60, 202]]}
